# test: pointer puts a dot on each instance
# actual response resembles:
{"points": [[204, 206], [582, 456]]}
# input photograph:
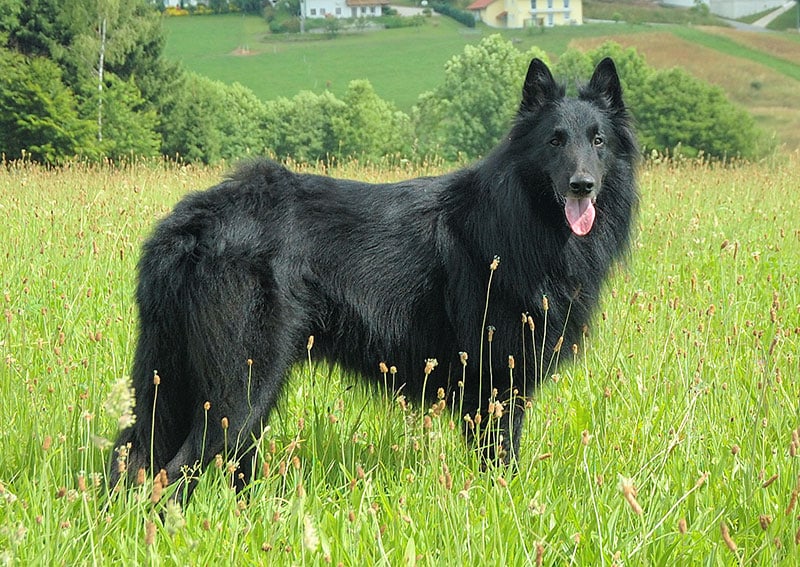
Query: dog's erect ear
{"points": [[605, 81], [539, 87]]}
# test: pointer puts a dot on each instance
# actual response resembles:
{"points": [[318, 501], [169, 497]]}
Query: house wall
{"points": [[337, 8], [526, 13], [555, 12]]}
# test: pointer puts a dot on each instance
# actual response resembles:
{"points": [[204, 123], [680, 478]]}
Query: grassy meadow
{"points": [[672, 440]]}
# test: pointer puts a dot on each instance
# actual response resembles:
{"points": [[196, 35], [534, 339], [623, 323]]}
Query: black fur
{"points": [[392, 272]]}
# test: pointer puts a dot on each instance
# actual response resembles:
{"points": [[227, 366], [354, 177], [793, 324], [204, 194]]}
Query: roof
{"points": [[367, 2], [479, 4]]}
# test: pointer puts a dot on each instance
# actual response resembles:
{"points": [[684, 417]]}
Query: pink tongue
{"points": [[580, 215]]}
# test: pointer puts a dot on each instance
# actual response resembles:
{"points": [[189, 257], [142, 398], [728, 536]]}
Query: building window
{"points": [[533, 5], [566, 4], [372, 10], [313, 11], [549, 4], [338, 11], [322, 11]]}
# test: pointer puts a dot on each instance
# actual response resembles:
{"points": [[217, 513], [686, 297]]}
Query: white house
{"points": [[517, 14], [342, 8]]}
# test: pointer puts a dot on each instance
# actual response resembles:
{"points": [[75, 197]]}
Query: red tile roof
{"points": [[479, 4]]}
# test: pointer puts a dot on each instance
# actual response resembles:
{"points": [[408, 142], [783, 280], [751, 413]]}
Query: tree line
{"points": [[88, 79]]}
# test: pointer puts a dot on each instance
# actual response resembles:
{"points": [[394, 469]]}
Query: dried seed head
{"points": [[539, 555], [156, 378], [726, 537], [224, 422], [383, 368], [629, 492], [430, 364], [545, 303], [560, 342], [155, 497], [531, 324], [149, 533], [770, 480], [702, 480], [463, 356], [310, 343], [511, 361], [490, 332], [682, 528], [495, 263], [206, 406], [393, 370]]}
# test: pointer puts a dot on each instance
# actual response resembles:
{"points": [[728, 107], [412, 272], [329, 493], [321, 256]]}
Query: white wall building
{"points": [[342, 8]]}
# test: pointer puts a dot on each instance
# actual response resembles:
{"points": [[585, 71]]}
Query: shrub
{"points": [[461, 16]]}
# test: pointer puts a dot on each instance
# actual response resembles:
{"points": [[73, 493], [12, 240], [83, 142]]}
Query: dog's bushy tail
{"points": [[191, 295]]}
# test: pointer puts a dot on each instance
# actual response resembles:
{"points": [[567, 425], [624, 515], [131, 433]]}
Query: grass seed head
{"points": [[726, 537]]}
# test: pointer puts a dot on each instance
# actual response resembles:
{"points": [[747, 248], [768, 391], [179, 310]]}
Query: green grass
{"points": [[690, 369], [786, 21]]}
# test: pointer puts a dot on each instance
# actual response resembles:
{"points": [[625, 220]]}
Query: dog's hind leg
{"points": [[243, 337]]}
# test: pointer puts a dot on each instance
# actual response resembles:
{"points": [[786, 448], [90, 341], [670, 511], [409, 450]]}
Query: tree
{"points": [[472, 109], [302, 127], [129, 123], [88, 39], [243, 122], [39, 117], [678, 109], [193, 114], [369, 127]]}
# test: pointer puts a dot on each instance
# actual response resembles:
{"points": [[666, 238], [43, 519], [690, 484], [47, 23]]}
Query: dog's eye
{"points": [[598, 141], [555, 142]]}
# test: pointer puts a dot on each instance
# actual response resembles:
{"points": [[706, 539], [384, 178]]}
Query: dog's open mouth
{"points": [[580, 214]]}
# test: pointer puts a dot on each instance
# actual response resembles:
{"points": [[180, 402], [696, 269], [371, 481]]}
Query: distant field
{"points": [[760, 71], [401, 64]]}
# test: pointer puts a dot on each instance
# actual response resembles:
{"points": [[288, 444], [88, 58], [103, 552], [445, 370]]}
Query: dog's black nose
{"points": [[581, 184]]}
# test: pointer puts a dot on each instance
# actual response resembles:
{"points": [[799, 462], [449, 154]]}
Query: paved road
{"points": [[762, 23]]}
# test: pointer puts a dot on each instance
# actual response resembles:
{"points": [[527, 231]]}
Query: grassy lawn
{"points": [[673, 440]]}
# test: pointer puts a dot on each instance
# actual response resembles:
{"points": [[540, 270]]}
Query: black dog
{"points": [[236, 279]]}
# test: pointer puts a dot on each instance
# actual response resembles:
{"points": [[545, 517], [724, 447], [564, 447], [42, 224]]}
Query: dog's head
{"points": [[574, 140]]}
